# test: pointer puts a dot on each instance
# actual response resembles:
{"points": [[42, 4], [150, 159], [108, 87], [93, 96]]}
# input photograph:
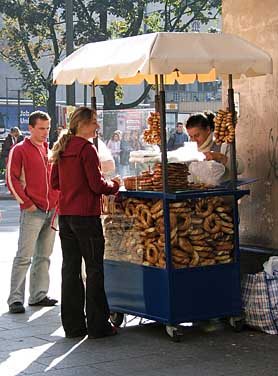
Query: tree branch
{"points": [[28, 51], [123, 106]]}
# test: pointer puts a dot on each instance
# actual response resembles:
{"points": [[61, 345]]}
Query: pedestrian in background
{"points": [[114, 145], [134, 140], [77, 175], [28, 179], [59, 129], [178, 138], [18, 134], [10, 140], [124, 154]]}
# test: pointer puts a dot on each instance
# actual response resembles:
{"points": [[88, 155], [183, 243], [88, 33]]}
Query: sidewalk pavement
{"points": [[34, 344], [4, 192]]}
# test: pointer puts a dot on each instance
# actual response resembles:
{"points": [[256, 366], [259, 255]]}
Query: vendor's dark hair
{"points": [[201, 120]]}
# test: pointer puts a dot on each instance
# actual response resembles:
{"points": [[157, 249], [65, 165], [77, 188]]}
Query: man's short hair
{"points": [[179, 124], [34, 116]]}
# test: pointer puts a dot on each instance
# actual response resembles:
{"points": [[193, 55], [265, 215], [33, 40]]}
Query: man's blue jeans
{"points": [[35, 245]]}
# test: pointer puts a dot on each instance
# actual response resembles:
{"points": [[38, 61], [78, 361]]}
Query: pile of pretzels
{"points": [[224, 128], [152, 180], [152, 134], [201, 232]]}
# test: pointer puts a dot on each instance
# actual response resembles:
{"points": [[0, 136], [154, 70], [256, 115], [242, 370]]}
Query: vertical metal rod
{"points": [[70, 89], [18, 108], [93, 97], [233, 163], [85, 95], [7, 102], [167, 227], [156, 97], [94, 107], [163, 134]]}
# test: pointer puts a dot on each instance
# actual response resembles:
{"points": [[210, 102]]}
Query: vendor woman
{"points": [[200, 127]]}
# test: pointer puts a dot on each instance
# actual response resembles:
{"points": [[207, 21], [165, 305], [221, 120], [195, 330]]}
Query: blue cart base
{"points": [[182, 295]]}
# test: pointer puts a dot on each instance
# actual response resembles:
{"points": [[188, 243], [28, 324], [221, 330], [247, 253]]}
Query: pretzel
{"points": [[195, 259], [204, 208], [185, 245], [145, 217], [186, 222], [156, 207], [151, 253], [212, 224], [224, 127]]}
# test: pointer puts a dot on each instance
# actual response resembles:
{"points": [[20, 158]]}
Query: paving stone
{"points": [[73, 371]]}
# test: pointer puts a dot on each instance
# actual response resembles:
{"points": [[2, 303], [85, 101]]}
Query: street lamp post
{"points": [[70, 89], [7, 99]]}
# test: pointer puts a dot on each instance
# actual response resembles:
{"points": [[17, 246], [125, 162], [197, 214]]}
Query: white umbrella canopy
{"points": [[183, 57]]}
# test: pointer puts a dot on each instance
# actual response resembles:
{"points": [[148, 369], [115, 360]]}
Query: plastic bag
{"points": [[271, 266], [103, 152], [260, 301], [106, 159], [187, 153], [206, 172]]}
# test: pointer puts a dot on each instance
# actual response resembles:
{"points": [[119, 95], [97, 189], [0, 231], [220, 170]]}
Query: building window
{"points": [[196, 26]]}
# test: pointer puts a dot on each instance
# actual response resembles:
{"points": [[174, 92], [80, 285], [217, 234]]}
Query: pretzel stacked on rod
{"points": [[152, 134], [224, 129], [201, 232]]}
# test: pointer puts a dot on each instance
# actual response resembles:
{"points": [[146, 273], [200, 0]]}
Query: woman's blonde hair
{"points": [[81, 114]]}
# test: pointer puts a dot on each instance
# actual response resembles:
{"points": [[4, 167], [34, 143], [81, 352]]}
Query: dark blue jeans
{"points": [[83, 237]]}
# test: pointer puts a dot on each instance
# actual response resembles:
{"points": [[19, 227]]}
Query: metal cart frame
{"points": [[173, 296]]}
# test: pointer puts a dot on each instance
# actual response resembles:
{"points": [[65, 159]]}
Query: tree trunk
{"points": [[108, 92]]}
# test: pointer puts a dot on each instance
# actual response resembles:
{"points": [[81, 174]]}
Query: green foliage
{"points": [[153, 23], [30, 34], [176, 15], [102, 20], [34, 31], [119, 93]]}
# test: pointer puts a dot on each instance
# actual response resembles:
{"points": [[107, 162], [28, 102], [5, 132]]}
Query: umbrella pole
{"points": [[94, 107], [156, 97], [93, 96], [163, 134], [233, 164]]}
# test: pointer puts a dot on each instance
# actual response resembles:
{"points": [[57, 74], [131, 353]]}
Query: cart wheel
{"points": [[174, 333], [237, 323], [116, 318]]}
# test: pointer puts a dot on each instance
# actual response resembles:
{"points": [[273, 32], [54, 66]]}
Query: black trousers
{"points": [[83, 237]]}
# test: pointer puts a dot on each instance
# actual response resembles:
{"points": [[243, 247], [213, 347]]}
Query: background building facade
{"points": [[257, 129]]}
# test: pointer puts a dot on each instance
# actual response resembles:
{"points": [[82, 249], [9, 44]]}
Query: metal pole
{"points": [[7, 102], [85, 95], [93, 96], [70, 89], [94, 107], [156, 97], [163, 134], [233, 163], [18, 108]]}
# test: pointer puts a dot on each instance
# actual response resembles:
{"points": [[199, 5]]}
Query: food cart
{"points": [[166, 261]]}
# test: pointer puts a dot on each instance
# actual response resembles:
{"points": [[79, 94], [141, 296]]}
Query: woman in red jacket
{"points": [[77, 175]]}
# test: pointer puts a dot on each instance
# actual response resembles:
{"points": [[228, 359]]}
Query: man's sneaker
{"points": [[45, 302], [16, 307]]}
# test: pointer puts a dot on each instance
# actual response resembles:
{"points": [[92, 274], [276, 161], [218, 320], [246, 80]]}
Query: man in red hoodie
{"points": [[28, 179]]}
